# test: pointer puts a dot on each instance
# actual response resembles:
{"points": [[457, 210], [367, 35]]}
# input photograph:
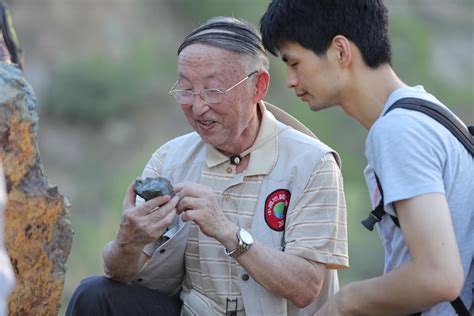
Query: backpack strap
{"points": [[459, 307], [465, 137], [443, 116], [377, 214]]}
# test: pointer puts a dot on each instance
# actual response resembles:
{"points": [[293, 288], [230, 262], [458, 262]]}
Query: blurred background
{"points": [[102, 69]]}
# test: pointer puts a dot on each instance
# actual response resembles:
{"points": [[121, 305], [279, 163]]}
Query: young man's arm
{"points": [[434, 274]]}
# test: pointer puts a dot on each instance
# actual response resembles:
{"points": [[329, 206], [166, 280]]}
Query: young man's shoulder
{"points": [[405, 127]]}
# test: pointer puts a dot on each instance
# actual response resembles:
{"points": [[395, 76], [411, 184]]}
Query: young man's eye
{"points": [[293, 65]]}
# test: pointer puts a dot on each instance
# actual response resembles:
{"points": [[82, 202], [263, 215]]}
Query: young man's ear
{"points": [[342, 50], [261, 85]]}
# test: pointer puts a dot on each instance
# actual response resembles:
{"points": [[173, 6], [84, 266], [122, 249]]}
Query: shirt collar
{"points": [[263, 153]]}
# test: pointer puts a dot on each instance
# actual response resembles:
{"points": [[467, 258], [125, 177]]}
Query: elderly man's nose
{"points": [[199, 105]]}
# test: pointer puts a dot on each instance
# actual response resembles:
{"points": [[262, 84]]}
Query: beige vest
{"points": [[184, 161]]}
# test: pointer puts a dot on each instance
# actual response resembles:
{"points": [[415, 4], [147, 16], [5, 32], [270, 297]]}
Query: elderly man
{"points": [[258, 222]]}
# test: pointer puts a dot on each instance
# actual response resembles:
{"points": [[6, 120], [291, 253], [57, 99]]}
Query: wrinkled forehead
{"points": [[201, 53], [204, 61]]}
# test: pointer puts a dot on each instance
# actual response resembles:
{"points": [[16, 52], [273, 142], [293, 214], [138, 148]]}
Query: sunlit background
{"points": [[102, 69]]}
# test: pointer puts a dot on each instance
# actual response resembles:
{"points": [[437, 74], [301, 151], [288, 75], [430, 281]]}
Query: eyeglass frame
{"points": [[221, 93]]}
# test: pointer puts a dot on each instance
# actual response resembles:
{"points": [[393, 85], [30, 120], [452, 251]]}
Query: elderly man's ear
{"points": [[261, 85]]}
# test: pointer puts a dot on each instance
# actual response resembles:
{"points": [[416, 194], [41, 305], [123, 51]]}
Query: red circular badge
{"points": [[276, 206]]}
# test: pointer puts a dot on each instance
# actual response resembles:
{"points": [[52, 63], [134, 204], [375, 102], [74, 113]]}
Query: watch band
{"points": [[240, 249], [237, 251]]}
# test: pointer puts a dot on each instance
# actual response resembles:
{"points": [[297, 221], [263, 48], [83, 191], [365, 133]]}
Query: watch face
{"points": [[246, 237]]}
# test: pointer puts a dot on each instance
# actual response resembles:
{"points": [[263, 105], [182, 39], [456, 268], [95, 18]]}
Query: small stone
{"points": [[150, 188]]}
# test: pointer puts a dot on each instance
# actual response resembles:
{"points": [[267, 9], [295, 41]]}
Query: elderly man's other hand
{"points": [[143, 224], [199, 204]]}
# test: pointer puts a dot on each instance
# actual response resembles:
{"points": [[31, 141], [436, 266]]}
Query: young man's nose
{"points": [[291, 79]]}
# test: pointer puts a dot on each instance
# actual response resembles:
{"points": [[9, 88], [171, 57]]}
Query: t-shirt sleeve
{"points": [[317, 226], [407, 154]]}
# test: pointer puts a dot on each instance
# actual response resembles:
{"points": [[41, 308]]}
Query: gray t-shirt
{"points": [[413, 155]]}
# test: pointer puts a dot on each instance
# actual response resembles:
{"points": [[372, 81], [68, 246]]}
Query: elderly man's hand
{"points": [[143, 224], [199, 204]]}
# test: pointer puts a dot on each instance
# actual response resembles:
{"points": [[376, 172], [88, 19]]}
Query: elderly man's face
{"points": [[224, 125]]}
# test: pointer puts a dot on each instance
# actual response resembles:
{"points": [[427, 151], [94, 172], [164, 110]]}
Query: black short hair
{"points": [[314, 23]]}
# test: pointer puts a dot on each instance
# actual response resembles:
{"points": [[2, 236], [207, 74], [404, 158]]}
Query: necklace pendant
{"points": [[235, 160]]}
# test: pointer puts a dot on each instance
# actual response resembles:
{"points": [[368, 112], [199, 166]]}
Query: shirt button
{"points": [[245, 277], [162, 250], [139, 279], [229, 169], [226, 197]]}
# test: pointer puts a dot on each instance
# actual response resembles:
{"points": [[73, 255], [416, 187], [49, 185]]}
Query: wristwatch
{"points": [[245, 242]]}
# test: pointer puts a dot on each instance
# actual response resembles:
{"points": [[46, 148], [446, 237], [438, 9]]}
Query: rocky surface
{"points": [[38, 235]]}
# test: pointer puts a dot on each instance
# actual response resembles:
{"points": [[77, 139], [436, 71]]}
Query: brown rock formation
{"points": [[38, 236]]}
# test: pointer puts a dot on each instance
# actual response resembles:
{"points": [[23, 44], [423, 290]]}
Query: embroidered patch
{"points": [[276, 206]]}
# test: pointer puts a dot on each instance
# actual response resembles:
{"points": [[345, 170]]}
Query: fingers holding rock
{"points": [[189, 203], [154, 209], [162, 210], [153, 205], [163, 223], [130, 197]]}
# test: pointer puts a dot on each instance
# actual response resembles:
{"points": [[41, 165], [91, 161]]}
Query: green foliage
{"points": [[199, 11], [411, 40], [413, 60], [94, 90]]}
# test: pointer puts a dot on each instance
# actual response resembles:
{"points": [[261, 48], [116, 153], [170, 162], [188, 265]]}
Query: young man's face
{"points": [[316, 80]]}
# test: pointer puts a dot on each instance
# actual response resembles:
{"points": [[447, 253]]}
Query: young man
{"points": [[261, 226], [338, 54]]}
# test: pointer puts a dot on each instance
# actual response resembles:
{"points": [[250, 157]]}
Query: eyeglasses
{"points": [[210, 96]]}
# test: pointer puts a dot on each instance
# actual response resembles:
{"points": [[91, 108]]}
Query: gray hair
{"points": [[231, 34]]}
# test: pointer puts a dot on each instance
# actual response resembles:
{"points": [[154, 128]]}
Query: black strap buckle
{"points": [[370, 221]]}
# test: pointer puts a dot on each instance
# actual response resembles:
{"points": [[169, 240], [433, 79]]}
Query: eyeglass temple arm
{"points": [[235, 85]]}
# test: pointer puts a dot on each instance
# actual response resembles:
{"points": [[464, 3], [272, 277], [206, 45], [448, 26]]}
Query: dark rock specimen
{"points": [[150, 188], [38, 235]]}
